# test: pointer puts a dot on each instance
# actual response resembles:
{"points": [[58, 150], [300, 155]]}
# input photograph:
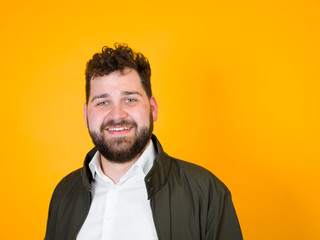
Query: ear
{"points": [[154, 108], [85, 114]]}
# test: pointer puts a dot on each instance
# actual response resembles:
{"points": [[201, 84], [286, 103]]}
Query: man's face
{"points": [[119, 115]]}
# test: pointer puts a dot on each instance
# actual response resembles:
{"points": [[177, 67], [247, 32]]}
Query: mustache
{"points": [[118, 123]]}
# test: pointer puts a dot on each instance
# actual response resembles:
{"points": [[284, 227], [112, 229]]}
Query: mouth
{"points": [[118, 130]]}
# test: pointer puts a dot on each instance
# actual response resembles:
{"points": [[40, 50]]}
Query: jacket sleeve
{"points": [[51, 222], [222, 222]]}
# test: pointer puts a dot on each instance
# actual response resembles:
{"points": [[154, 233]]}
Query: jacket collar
{"points": [[154, 180]]}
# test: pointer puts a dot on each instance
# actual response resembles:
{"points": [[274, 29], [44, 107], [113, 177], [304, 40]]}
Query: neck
{"points": [[115, 170]]}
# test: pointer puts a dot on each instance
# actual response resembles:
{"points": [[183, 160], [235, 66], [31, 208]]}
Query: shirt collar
{"points": [[145, 161]]}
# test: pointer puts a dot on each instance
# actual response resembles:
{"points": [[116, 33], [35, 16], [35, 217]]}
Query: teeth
{"points": [[118, 129]]}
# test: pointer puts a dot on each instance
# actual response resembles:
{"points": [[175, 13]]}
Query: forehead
{"points": [[126, 80], [118, 79]]}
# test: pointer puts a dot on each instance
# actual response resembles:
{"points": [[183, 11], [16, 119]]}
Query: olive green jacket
{"points": [[187, 202]]}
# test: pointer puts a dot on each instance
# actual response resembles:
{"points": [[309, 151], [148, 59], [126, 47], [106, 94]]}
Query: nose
{"points": [[117, 113]]}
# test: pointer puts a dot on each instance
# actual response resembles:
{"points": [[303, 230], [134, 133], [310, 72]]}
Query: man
{"points": [[128, 187]]}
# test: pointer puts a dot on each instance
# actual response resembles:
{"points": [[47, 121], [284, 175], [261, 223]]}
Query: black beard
{"points": [[114, 150]]}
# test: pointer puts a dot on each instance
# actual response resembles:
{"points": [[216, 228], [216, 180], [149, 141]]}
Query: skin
{"points": [[118, 96]]}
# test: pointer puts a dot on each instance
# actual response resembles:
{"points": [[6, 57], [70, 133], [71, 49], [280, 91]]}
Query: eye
{"points": [[130, 100], [102, 103]]}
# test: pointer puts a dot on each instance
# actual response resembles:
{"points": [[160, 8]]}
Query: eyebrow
{"points": [[104, 95], [125, 93], [131, 93]]}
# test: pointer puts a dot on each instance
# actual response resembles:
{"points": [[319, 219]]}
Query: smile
{"points": [[118, 129]]}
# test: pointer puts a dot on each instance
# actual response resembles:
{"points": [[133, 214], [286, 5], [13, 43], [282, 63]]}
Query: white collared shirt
{"points": [[120, 211]]}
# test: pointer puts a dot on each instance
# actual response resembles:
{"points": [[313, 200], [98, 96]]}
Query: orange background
{"points": [[237, 83]]}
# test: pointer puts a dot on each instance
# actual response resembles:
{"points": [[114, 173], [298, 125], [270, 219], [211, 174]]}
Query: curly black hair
{"points": [[117, 59]]}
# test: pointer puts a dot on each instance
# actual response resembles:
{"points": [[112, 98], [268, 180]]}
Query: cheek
{"points": [[94, 120], [142, 118]]}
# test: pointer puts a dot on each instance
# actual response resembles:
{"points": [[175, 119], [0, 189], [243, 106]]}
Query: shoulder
{"points": [[197, 177], [71, 177], [68, 184]]}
